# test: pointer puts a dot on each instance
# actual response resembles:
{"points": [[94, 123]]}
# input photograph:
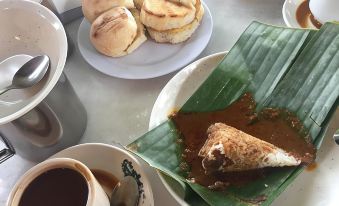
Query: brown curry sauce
{"points": [[304, 15], [278, 127]]}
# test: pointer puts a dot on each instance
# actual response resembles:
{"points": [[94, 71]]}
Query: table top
{"points": [[112, 114]]}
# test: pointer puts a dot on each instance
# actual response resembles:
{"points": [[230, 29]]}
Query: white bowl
{"points": [[30, 28]]}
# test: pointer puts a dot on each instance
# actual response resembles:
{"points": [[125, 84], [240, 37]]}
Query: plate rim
{"points": [[158, 74], [184, 73], [284, 10]]}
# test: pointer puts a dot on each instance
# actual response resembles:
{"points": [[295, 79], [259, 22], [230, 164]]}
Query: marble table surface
{"points": [[121, 108]]}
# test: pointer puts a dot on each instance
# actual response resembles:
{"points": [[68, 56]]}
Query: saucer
{"points": [[114, 160], [289, 11]]}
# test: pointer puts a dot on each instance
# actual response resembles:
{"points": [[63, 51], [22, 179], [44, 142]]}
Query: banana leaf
{"points": [[282, 67]]}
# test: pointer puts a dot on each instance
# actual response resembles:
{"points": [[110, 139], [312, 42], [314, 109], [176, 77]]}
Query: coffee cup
{"points": [[325, 10], [58, 181]]}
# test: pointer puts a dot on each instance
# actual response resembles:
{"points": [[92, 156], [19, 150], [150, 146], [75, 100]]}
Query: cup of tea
{"points": [[325, 10], [59, 181]]}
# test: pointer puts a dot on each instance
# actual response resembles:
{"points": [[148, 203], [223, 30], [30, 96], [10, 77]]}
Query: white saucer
{"points": [[110, 159], [151, 59], [289, 13]]}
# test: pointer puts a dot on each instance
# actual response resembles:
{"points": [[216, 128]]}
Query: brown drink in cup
{"points": [[59, 181]]}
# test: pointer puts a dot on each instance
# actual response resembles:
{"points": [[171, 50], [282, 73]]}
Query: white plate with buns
{"points": [[147, 58]]}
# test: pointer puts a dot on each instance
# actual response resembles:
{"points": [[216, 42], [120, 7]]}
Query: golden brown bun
{"points": [[184, 2], [113, 32], [175, 36], [141, 37], [93, 8], [163, 14], [138, 4]]}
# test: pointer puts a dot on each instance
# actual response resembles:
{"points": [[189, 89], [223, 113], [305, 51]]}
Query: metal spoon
{"points": [[29, 74], [125, 193], [336, 136]]}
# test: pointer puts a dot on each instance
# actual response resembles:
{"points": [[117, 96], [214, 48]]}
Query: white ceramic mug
{"points": [[96, 195], [325, 10]]}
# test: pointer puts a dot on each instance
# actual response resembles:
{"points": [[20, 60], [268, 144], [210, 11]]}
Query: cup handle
{"points": [[8, 152]]}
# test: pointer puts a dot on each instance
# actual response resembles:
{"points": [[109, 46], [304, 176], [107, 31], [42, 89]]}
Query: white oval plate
{"points": [[316, 188], [151, 59], [109, 158], [289, 14]]}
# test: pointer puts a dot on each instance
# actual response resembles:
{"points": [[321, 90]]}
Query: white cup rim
{"points": [[30, 175], [324, 11]]}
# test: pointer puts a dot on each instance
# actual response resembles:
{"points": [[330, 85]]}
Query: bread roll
{"points": [[93, 8], [178, 35], [184, 2], [141, 37], [138, 4], [163, 14], [113, 32]]}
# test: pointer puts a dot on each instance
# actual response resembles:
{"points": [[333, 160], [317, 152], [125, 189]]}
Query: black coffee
{"points": [[56, 187]]}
